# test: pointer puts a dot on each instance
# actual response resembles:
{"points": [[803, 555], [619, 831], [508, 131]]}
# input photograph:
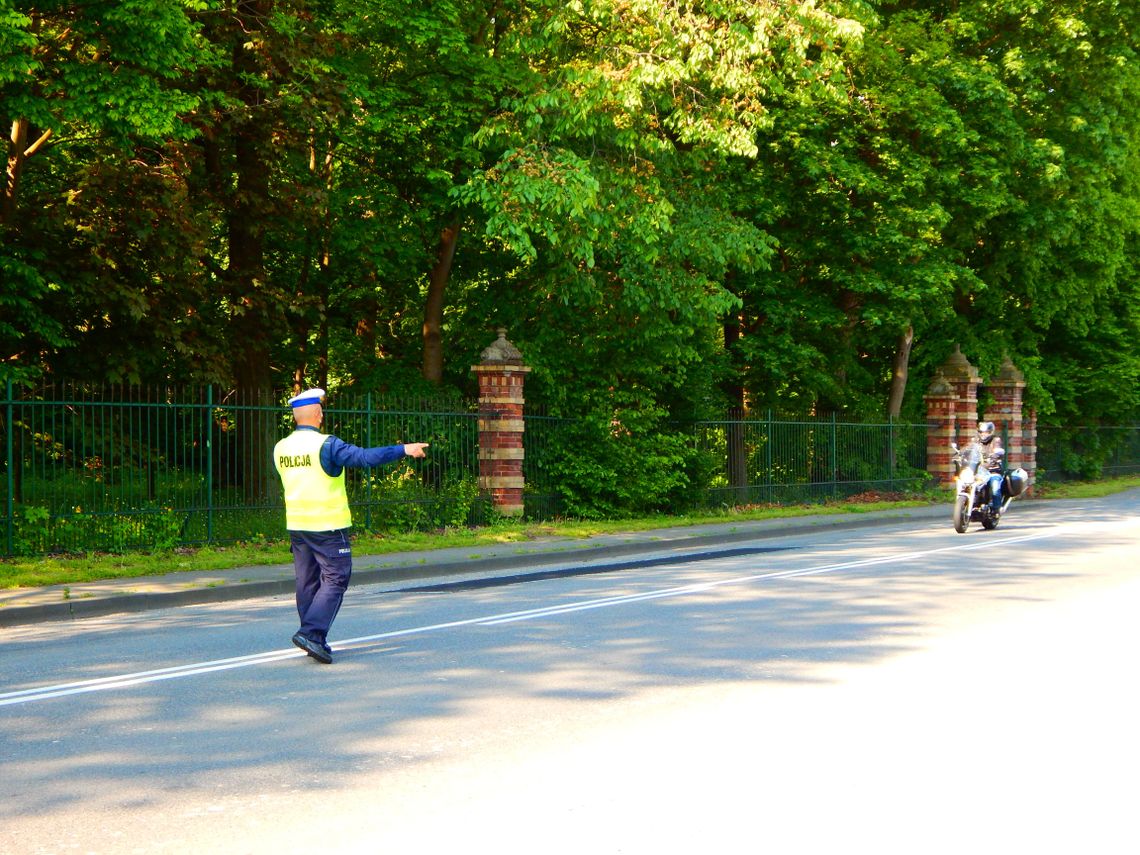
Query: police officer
{"points": [[311, 465]]}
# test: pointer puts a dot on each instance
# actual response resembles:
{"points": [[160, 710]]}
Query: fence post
{"points": [[736, 462], [770, 438], [501, 375], [367, 473], [891, 451], [210, 463], [834, 455], [10, 504]]}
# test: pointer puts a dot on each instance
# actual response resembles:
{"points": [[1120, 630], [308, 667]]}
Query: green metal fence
{"points": [[542, 438], [125, 468], [93, 469], [1083, 453], [775, 461]]}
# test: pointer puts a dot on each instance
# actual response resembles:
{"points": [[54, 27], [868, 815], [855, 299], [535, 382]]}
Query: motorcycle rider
{"points": [[993, 455]]}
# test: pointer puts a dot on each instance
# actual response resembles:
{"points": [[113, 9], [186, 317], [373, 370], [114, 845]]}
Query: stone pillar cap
{"points": [[958, 367], [1008, 373], [501, 352], [939, 387]]}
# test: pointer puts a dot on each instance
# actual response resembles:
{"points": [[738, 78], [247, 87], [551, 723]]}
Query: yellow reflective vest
{"points": [[314, 500]]}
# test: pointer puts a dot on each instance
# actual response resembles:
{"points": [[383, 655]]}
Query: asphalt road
{"points": [[895, 689]]}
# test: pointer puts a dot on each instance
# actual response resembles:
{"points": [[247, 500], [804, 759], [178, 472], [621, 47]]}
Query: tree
{"points": [[1056, 267], [608, 183], [607, 155], [85, 91], [865, 193], [420, 82]]}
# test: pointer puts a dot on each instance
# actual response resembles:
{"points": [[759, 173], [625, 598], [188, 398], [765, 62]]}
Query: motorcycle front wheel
{"points": [[961, 514]]}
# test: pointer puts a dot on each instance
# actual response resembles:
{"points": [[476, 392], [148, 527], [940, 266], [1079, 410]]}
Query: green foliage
{"points": [[612, 469], [671, 207], [30, 531], [405, 504], [547, 193], [21, 314], [102, 93], [114, 68], [1057, 263], [39, 532], [1088, 452]]}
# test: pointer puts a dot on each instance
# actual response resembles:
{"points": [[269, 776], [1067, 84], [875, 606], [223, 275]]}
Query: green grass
{"points": [[34, 572], [1087, 489]]}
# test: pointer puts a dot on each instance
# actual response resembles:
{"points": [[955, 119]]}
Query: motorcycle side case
{"points": [[1016, 480]]}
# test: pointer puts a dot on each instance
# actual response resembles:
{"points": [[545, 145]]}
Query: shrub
{"points": [[599, 469]]}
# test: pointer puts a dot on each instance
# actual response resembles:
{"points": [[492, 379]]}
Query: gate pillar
{"points": [[501, 374], [1007, 389], [941, 403], [964, 380]]}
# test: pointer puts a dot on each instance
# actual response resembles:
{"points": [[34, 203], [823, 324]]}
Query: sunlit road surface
{"points": [[897, 689]]}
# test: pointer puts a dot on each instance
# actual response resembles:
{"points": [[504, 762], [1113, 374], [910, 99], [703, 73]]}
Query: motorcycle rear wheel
{"points": [[961, 514]]}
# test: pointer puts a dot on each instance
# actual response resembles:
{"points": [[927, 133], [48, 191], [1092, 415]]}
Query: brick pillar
{"points": [[1006, 389], [963, 379], [940, 417], [501, 375]]}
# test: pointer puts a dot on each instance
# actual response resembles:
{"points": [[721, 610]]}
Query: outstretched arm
{"points": [[336, 454]]}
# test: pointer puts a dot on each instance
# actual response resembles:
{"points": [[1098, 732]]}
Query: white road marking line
{"points": [[142, 677], [124, 680], [741, 580]]}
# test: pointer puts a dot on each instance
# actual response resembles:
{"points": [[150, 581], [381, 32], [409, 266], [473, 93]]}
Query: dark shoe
{"points": [[318, 651]]}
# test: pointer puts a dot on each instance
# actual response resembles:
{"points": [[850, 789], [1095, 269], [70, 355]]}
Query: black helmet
{"points": [[985, 432]]}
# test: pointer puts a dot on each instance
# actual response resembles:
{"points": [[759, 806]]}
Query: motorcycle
{"points": [[973, 496]]}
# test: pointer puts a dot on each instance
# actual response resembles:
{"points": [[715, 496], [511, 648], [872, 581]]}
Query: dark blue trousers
{"points": [[322, 561]]}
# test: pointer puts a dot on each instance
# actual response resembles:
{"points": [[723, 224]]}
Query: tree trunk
{"points": [[18, 153], [900, 371], [16, 145], [324, 276], [246, 273], [433, 309], [299, 377], [252, 317], [365, 332], [850, 304]]}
